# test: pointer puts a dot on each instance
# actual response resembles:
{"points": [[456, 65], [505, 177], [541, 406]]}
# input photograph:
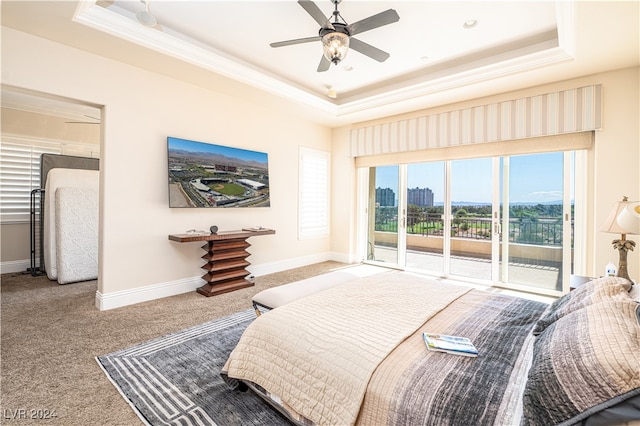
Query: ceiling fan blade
{"points": [[315, 12], [374, 21], [295, 41], [324, 64], [367, 49]]}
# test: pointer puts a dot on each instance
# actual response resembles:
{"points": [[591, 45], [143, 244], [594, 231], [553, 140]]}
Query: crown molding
{"points": [[123, 24]]}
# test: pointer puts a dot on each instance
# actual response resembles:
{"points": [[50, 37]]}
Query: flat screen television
{"points": [[207, 175]]}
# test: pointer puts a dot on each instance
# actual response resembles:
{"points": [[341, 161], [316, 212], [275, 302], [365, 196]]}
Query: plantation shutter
{"points": [[20, 172], [313, 215]]}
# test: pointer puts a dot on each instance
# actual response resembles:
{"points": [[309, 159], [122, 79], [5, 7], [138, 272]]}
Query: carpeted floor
{"points": [[52, 333]]}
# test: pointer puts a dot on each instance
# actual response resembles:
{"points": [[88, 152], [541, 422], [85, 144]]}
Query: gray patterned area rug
{"points": [[176, 379]]}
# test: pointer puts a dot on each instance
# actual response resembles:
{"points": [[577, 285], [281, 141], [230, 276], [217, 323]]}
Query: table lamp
{"points": [[623, 219]]}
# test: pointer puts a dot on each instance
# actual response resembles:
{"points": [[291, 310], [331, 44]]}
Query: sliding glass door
{"points": [[472, 218], [502, 220], [425, 217], [535, 209], [383, 217]]}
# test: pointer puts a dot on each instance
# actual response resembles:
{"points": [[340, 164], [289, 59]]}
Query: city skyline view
{"points": [[534, 179]]}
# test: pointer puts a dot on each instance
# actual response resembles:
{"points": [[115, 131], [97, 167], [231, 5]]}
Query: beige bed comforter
{"points": [[322, 369]]}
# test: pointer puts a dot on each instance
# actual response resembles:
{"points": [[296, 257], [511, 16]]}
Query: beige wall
{"points": [[140, 110], [15, 243], [613, 162], [48, 127]]}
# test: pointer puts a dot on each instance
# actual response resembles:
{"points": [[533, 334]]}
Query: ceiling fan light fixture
{"points": [[471, 23], [335, 46]]}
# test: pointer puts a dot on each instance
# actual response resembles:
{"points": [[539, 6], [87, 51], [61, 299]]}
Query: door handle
{"points": [[497, 228]]}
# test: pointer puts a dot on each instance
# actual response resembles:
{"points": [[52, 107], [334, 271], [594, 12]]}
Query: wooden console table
{"points": [[226, 258]]}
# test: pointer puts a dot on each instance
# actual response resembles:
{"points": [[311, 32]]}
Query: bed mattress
{"points": [[76, 218], [60, 178]]}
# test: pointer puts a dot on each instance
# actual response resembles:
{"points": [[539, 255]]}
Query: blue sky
{"points": [[193, 146], [534, 178]]}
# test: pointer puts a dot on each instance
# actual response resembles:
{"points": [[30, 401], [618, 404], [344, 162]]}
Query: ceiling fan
{"points": [[337, 36]]}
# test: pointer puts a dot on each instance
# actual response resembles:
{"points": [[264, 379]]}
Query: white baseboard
{"points": [[15, 266], [118, 299], [284, 265], [122, 298]]}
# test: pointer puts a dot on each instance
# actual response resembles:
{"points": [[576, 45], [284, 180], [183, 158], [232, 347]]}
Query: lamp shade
{"points": [[629, 218], [611, 224]]}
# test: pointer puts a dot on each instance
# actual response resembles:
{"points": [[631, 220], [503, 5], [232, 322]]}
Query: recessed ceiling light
{"points": [[424, 58], [331, 92], [347, 68], [471, 23]]}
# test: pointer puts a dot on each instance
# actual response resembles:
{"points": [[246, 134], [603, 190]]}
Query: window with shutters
{"points": [[313, 216], [20, 172]]}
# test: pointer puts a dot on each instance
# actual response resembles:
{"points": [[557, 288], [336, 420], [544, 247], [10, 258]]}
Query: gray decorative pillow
{"points": [[595, 291], [584, 363]]}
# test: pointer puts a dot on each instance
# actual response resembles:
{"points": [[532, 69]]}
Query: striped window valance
{"points": [[567, 111]]}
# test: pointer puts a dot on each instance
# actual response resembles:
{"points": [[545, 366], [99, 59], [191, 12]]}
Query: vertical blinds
{"points": [[567, 111]]}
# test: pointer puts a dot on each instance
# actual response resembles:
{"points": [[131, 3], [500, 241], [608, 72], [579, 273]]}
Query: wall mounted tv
{"points": [[207, 175]]}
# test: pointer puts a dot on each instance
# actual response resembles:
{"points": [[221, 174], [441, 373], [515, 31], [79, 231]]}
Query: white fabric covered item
{"points": [[286, 293], [322, 375], [635, 292], [55, 179], [76, 217]]}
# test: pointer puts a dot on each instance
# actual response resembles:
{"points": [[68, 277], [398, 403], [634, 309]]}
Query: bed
{"points": [[354, 354], [70, 217]]}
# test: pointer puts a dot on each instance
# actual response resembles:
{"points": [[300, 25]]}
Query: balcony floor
{"points": [[534, 276]]}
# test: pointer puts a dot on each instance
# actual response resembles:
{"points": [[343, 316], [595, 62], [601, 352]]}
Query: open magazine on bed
{"points": [[450, 344]]}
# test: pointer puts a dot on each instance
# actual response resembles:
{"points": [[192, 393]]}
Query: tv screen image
{"points": [[208, 175]]}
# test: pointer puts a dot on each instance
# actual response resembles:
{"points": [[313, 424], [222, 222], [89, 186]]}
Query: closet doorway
{"points": [[36, 123]]}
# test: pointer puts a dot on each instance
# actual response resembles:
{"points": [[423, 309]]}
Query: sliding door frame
{"points": [[500, 222]]}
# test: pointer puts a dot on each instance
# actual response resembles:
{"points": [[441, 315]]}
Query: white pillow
{"points": [[635, 292]]}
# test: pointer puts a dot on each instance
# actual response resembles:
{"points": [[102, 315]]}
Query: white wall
{"points": [[140, 110]]}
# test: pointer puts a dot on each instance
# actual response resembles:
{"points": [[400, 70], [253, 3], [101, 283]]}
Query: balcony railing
{"points": [[539, 231]]}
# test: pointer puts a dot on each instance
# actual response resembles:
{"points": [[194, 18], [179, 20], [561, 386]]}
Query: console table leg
{"points": [[226, 266]]}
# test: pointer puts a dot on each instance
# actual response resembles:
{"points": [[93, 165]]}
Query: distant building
{"points": [[226, 168], [385, 197], [422, 197], [197, 183], [252, 183]]}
